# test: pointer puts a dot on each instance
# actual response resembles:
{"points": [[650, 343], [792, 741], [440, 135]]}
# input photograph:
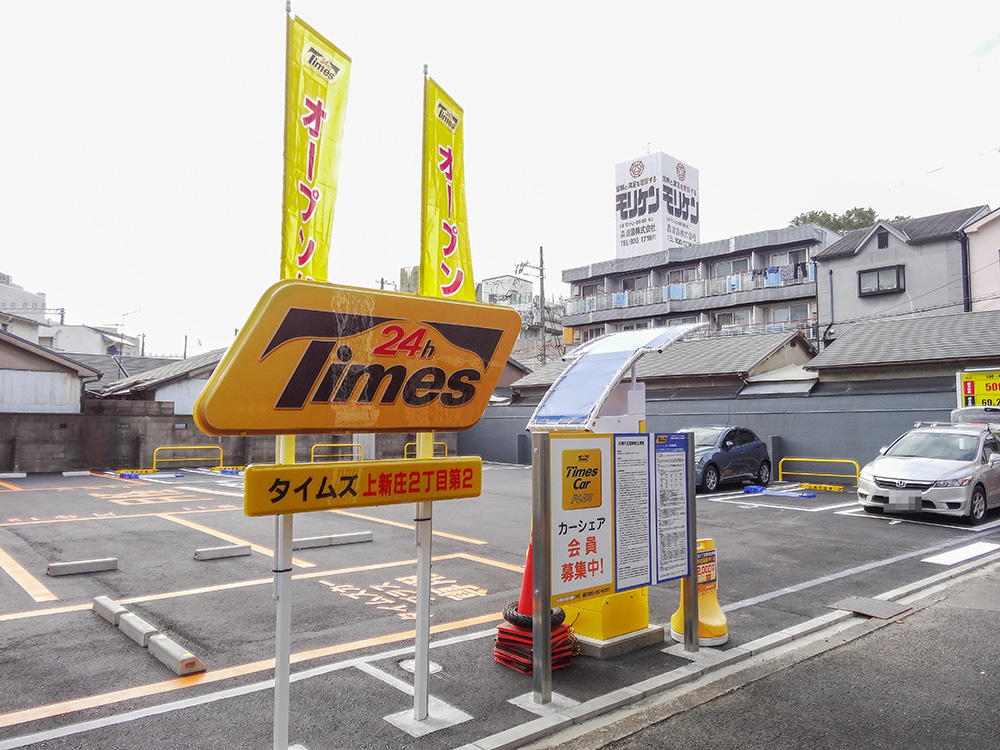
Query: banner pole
{"points": [[421, 656]]}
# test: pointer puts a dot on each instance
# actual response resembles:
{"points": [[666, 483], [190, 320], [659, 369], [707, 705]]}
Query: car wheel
{"points": [[977, 506], [710, 479], [764, 473]]}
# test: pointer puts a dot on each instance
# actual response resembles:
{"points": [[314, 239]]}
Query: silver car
{"points": [[953, 470]]}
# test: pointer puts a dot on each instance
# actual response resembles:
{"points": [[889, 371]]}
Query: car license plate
{"points": [[901, 500]]}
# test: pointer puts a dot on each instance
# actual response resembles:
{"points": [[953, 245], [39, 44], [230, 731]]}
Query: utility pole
{"points": [[543, 357], [382, 282]]}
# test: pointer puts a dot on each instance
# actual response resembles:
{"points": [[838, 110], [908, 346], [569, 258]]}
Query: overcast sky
{"points": [[141, 158]]}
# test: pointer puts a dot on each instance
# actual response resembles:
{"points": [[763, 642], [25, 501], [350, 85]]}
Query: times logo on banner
{"points": [[656, 205]]}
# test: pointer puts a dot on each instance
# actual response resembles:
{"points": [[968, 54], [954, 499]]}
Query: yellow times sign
{"points": [[317, 358], [275, 489]]}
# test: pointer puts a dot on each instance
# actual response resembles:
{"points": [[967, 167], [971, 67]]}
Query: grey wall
{"points": [[120, 435], [124, 434], [842, 426]]}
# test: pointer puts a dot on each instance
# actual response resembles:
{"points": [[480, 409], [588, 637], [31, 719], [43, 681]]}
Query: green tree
{"points": [[852, 218]]}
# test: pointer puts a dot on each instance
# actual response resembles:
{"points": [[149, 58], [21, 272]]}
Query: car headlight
{"points": [[963, 482], [866, 475]]}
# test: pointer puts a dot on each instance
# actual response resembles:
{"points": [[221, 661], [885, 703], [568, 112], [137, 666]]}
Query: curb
{"points": [[706, 662]]}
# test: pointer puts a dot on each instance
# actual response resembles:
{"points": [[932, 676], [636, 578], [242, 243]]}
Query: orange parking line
{"points": [[12, 487], [230, 538], [158, 688], [115, 517], [409, 526], [34, 588]]}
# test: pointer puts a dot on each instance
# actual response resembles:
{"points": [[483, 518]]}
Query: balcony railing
{"points": [[806, 327], [758, 278]]}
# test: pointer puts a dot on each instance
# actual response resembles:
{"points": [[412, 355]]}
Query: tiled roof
{"points": [[726, 355], [158, 376], [107, 366], [64, 360], [922, 229], [964, 337]]}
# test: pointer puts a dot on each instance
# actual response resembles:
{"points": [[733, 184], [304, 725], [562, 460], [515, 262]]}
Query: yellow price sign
{"points": [[275, 489]]}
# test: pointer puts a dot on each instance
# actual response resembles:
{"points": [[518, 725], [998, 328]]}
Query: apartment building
{"points": [[765, 281]]}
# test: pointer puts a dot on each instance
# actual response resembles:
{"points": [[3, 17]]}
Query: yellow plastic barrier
{"points": [[854, 476], [713, 629], [212, 457], [410, 450], [357, 451]]}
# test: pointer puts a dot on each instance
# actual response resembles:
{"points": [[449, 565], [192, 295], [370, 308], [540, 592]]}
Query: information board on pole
{"points": [[633, 558], [619, 512], [670, 503]]}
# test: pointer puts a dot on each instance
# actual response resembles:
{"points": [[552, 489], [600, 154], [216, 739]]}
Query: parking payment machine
{"points": [[618, 500]]}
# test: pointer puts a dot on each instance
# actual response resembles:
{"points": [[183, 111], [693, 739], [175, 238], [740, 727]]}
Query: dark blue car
{"points": [[724, 453]]}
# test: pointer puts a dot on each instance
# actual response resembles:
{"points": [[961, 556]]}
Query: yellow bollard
{"points": [[712, 627]]}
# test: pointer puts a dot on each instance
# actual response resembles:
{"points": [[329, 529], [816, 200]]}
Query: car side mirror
{"points": [[728, 445], [994, 459], [882, 450]]}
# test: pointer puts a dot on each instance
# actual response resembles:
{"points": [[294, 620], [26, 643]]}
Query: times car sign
{"points": [[318, 358]]}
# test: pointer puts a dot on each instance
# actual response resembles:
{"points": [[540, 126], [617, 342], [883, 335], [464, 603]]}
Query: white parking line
{"points": [[962, 553], [745, 502], [859, 512]]}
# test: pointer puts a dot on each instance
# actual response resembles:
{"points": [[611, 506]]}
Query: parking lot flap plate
{"points": [[883, 610], [316, 358]]}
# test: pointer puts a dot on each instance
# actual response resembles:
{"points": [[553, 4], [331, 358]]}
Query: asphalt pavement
{"points": [[797, 672], [928, 677]]}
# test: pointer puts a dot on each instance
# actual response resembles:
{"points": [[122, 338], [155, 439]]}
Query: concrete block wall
{"points": [[124, 434]]}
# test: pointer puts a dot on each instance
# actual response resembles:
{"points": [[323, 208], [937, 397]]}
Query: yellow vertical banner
{"points": [[316, 78], [445, 256]]}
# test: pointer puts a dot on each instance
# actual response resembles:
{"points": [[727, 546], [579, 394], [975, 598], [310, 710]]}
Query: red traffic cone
{"points": [[524, 601]]}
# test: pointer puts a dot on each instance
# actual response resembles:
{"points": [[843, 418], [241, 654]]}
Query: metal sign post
{"points": [[285, 454], [421, 655], [541, 584], [691, 619]]}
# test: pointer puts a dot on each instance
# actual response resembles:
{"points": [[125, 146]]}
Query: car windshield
{"points": [[707, 436], [947, 446]]}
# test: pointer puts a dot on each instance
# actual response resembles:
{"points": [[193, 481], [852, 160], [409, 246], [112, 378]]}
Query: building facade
{"points": [[541, 337], [984, 261], [910, 268], [765, 281]]}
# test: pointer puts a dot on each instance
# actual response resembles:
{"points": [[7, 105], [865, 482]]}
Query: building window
{"points": [[682, 275], [881, 281], [588, 334], [788, 257], [730, 267], [589, 290], [634, 283], [789, 313], [883, 240]]}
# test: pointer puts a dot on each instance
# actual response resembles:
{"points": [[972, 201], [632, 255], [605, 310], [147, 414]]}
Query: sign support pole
{"points": [[421, 655], [285, 450], [691, 618], [541, 543]]}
